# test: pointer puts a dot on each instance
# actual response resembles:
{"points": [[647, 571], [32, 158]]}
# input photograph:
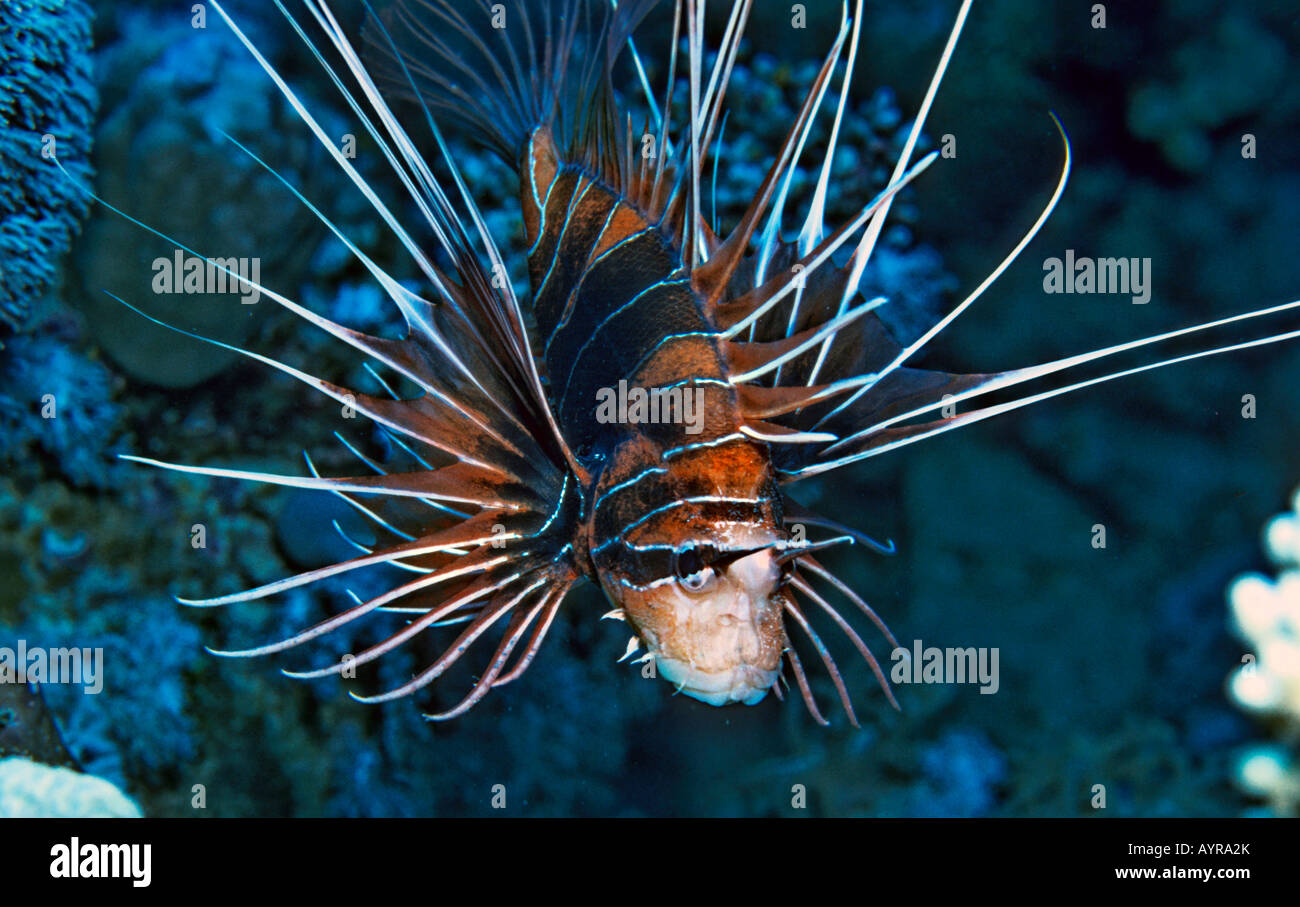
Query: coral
{"points": [[961, 770], [54, 398], [914, 281], [139, 726], [872, 134], [30, 790], [1266, 615], [46, 89]]}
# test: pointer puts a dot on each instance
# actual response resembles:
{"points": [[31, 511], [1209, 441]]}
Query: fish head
{"points": [[714, 624]]}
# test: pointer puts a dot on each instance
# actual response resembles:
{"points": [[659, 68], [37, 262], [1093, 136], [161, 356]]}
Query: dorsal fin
{"points": [[500, 71]]}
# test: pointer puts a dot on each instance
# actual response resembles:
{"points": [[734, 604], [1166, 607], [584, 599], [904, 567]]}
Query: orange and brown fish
{"points": [[638, 421]]}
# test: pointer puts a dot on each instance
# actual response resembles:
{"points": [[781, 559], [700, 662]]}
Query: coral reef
{"points": [[145, 661], [56, 400], [47, 89], [1266, 615], [30, 790], [172, 92]]}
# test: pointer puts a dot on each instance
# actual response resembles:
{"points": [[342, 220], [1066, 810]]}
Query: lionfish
{"points": [[517, 492]]}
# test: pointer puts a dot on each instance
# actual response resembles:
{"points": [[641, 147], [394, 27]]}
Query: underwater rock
{"points": [[47, 107], [172, 93], [30, 790], [988, 530], [27, 728], [303, 530]]}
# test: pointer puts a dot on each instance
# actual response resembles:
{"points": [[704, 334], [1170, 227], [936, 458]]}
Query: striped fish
{"points": [[538, 459]]}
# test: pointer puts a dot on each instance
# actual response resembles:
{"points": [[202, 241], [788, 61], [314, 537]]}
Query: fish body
{"points": [[525, 472], [615, 305]]}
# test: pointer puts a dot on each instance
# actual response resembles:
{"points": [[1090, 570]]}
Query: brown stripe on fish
{"points": [[618, 345], [726, 522], [630, 264], [737, 467], [559, 197], [579, 221]]}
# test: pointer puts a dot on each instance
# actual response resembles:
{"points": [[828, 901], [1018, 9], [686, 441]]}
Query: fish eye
{"points": [[694, 575], [699, 582]]}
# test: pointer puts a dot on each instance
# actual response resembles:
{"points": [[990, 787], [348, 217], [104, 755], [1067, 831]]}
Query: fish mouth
{"points": [[745, 684], [722, 645]]}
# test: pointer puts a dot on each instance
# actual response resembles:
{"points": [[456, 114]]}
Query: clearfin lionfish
{"points": [[519, 490]]}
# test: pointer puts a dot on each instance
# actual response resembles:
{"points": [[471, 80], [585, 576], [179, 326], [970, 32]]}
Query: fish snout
{"points": [[726, 646]]}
